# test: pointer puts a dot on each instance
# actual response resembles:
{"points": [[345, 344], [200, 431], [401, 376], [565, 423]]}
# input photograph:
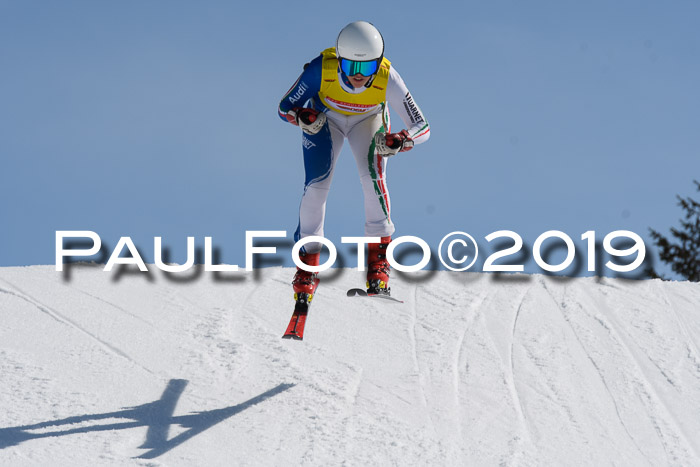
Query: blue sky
{"points": [[147, 119]]}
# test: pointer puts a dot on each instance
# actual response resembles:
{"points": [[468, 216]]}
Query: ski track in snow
{"points": [[113, 305], [693, 352], [61, 318], [670, 433], [468, 371], [594, 364], [673, 439], [459, 359], [414, 355], [517, 399]]}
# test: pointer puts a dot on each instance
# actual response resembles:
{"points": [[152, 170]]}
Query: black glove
{"points": [[309, 120], [389, 144]]}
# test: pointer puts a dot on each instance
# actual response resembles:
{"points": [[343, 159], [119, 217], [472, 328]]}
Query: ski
{"points": [[363, 293], [295, 329]]}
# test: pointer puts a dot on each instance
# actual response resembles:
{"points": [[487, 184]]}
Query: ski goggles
{"points": [[352, 68]]}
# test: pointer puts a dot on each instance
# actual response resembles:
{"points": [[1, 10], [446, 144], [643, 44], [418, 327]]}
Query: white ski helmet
{"points": [[360, 41]]}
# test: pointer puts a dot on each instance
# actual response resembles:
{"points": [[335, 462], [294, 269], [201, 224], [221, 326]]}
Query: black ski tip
{"points": [[292, 336]]}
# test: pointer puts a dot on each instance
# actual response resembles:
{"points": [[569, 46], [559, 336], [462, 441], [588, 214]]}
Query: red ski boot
{"points": [[304, 283], [304, 280], [378, 268]]}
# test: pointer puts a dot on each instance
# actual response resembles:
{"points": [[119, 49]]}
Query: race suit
{"points": [[355, 115]]}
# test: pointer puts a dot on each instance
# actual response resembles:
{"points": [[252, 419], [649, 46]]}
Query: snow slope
{"points": [[472, 369]]}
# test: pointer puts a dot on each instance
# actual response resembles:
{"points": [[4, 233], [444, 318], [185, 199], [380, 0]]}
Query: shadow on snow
{"points": [[157, 416]]}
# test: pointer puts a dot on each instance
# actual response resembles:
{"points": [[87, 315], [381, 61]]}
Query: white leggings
{"points": [[321, 152]]}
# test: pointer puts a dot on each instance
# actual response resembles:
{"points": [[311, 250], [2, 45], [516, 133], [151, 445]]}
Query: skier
{"points": [[343, 94]]}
